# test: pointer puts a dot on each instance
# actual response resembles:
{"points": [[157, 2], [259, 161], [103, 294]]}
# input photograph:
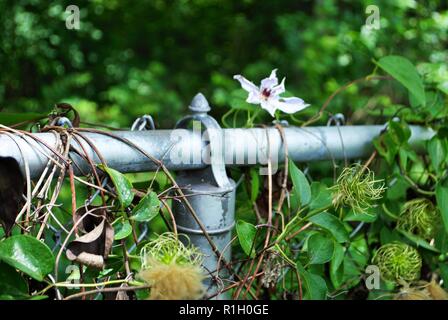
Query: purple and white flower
{"points": [[268, 95]]}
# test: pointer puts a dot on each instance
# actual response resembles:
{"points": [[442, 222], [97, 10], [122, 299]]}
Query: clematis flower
{"points": [[268, 95]]}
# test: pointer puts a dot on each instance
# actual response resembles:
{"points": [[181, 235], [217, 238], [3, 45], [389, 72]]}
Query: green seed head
{"points": [[357, 188], [398, 262], [420, 217], [168, 249]]}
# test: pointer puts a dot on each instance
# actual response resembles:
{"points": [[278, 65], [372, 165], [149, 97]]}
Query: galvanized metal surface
{"points": [[215, 207], [240, 147], [217, 171], [212, 196]]}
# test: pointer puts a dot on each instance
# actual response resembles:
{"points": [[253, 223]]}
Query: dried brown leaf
{"points": [[11, 188], [92, 248]]}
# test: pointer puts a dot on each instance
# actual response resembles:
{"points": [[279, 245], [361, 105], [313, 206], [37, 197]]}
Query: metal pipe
{"points": [[182, 149]]}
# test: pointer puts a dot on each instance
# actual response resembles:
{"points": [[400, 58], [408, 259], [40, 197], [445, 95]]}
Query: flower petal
{"points": [[269, 83], [278, 90], [246, 84], [289, 105], [253, 97], [268, 106]]}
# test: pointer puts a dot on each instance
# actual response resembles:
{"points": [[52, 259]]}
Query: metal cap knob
{"points": [[199, 104]]}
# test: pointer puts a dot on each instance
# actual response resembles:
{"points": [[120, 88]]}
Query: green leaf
{"points": [[399, 132], [441, 241], [388, 144], [442, 202], [444, 274], [317, 287], [320, 249], [301, 185], [359, 251], [123, 231], [355, 261], [405, 72], [437, 153], [419, 242], [332, 224], [255, 184], [388, 236], [147, 209], [294, 200], [27, 254], [246, 235], [336, 266], [397, 190], [12, 283], [314, 285], [142, 294], [385, 147], [321, 197], [122, 185]]}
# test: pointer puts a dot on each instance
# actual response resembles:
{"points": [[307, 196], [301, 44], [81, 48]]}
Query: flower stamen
{"points": [[266, 93]]}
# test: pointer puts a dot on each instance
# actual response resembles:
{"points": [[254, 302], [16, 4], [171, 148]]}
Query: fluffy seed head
{"points": [[420, 217], [172, 269], [398, 262], [357, 188]]}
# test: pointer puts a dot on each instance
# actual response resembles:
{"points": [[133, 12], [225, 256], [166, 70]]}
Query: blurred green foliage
{"points": [[152, 56]]}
